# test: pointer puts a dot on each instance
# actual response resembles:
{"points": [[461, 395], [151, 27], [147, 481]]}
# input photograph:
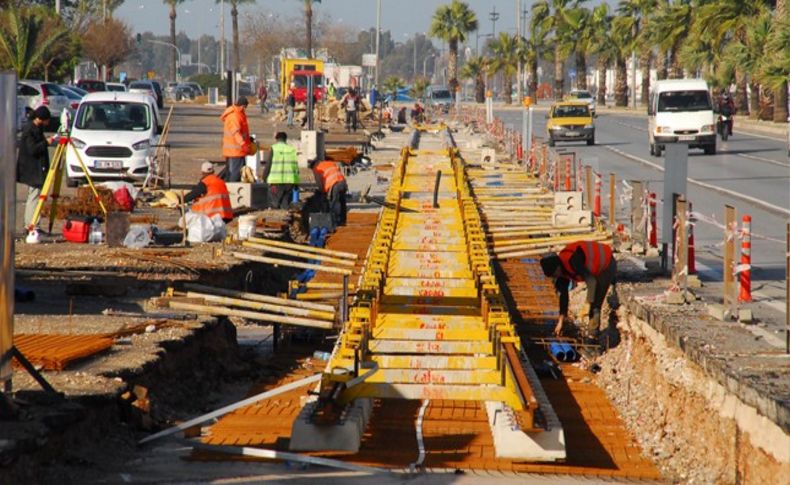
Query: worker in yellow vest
{"points": [[283, 172], [334, 188]]}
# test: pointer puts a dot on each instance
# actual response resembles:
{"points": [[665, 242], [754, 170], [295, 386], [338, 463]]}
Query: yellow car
{"points": [[570, 121]]}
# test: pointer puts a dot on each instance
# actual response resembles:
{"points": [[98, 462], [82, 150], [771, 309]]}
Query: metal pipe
{"points": [[436, 189], [7, 222]]}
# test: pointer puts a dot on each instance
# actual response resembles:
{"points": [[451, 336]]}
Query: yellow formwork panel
{"points": [[428, 322], [432, 283], [391, 333], [435, 376], [471, 347]]}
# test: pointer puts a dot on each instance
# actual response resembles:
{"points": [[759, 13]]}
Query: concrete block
{"points": [[693, 281], [253, 196], [652, 252], [511, 443], [487, 155], [690, 297], [572, 218], [676, 298], [745, 315], [719, 312], [346, 435], [311, 147], [567, 201]]}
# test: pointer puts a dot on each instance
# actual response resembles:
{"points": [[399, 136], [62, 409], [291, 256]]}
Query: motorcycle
{"points": [[724, 126]]}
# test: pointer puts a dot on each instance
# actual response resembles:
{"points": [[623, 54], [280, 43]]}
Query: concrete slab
{"points": [[512, 443], [343, 436]]}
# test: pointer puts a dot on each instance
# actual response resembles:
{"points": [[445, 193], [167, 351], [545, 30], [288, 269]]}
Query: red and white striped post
{"points": [[597, 203], [568, 174], [653, 222], [745, 273], [692, 262]]}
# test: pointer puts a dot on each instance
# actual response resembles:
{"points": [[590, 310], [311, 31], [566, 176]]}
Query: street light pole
{"points": [[222, 38], [378, 40], [424, 62], [519, 92], [493, 15], [178, 52], [414, 61]]}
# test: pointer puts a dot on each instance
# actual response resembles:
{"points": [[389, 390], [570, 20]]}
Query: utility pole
{"points": [[493, 16], [57, 7], [519, 93], [414, 61], [222, 37], [378, 40]]}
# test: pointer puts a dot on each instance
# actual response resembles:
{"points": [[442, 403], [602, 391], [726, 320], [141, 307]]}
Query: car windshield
{"points": [[300, 80], [115, 87], [52, 90], [139, 85], [684, 101], [440, 94], [73, 95], [113, 116], [572, 111], [582, 95], [92, 85]]}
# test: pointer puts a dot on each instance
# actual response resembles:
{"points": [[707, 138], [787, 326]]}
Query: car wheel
{"points": [[652, 150], [590, 141], [550, 142], [710, 149], [658, 151]]}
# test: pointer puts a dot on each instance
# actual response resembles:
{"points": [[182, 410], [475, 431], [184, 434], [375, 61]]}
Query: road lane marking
{"points": [[747, 198], [745, 133], [761, 159]]}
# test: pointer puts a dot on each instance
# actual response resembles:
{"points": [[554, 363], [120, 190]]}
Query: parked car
{"points": [[145, 87], [32, 94], [681, 111], [160, 95], [184, 92], [116, 87], [583, 95], [170, 90], [91, 85], [439, 97], [74, 99], [196, 88], [73, 89], [570, 121], [114, 133]]}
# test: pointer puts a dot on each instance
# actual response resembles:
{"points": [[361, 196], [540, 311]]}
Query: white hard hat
{"points": [[207, 167]]}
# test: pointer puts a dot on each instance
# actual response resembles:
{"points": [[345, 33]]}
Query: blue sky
{"points": [[402, 17]]}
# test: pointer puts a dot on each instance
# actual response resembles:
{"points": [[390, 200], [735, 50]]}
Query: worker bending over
{"points": [[334, 188], [587, 261], [283, 172], [210, 195]]}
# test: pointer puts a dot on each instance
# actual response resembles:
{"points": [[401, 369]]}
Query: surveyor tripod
{"points": [[54, 179]]}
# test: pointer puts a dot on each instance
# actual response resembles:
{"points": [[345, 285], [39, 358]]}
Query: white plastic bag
{"points": [[201, 228], [139, 236]]}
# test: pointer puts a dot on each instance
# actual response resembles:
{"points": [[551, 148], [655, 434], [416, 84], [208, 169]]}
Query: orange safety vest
{"points": [[329, 174], [216, 200], [597, 257], [236, 135]]}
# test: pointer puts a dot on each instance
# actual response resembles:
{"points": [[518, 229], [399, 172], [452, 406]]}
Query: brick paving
{"points": [[55, 352]]}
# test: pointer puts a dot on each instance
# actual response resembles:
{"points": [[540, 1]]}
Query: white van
{"points": [[114, 133], [681, 111]]}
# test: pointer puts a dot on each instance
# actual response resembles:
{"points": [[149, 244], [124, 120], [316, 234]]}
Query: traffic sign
{"points": [[151, 74]]}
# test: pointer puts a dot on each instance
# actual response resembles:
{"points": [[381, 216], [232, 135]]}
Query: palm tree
{"points": [[668, 28], [623, 44], [602, 46], [638, 11], [452, 23], [533, 48], [234, 15], [308, 20], [552, 16], [392, 85], [418, 88], [173, 4], [578, 37], [779, 60], [505, 56], [475, 68], [21, 42]]}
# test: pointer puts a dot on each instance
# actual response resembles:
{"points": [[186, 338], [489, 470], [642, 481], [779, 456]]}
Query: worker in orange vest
{"points": [[588, 261], [210, 195], [334, 188], [235, 139]]}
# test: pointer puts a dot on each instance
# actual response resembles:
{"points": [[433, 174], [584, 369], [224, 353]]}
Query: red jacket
{"points": [[236, 136], [597, 258]]}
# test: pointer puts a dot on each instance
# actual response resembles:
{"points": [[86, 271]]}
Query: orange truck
{"points": [[296, 72]]}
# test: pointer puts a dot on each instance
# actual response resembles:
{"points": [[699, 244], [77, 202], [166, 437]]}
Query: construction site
{"points": [[415, 342]]}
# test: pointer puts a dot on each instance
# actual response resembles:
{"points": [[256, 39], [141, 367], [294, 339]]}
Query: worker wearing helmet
{"points": [[585, 261], [210, 195]]}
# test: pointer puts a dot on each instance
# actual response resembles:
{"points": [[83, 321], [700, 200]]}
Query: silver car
{"points": [[33, 94]]}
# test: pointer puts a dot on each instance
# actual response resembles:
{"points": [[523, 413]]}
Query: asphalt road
{"points": [[749, 172]]}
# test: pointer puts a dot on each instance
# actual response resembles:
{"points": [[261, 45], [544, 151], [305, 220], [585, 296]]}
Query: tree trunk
{"points": [[308, 18], [533, 79], [480, 88], [452, 66], [601, 83], [780, 104], [174, 64], [558, 68], [621, 83], [508, 78], [741, 100], [675, 69], [765, 102], [662, 66], [644, 63], [234, 14], [581, 71]]}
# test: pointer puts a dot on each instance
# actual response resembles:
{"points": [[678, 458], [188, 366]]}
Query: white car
{"points": [[115, 134], [145, 87], [584, 95], [33, 94]]}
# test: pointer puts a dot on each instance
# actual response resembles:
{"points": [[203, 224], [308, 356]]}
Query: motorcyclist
{"points": [[727, 109]]}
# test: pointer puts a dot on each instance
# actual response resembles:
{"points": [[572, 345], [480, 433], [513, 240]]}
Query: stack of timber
{"points": [[523, 218]]}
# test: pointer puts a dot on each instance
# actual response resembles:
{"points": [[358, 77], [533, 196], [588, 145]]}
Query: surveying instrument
{"points": [[54, 178]]}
